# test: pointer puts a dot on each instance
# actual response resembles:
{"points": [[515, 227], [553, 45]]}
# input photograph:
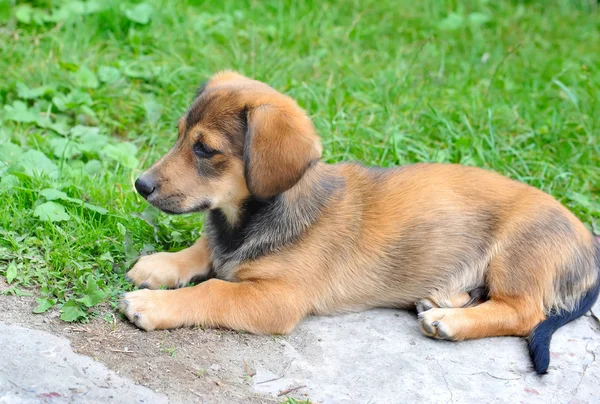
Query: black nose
{"points": [[145, 185]]}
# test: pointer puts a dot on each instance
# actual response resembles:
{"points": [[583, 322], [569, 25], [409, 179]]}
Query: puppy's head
{"points": [[239, 138]]}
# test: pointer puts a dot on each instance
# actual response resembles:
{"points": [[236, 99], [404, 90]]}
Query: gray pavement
{"points": [[377, 356]]}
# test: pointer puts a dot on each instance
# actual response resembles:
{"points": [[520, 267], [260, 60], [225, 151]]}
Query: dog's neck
{"points": [[231, 212], [316, 182], [256, 227]]}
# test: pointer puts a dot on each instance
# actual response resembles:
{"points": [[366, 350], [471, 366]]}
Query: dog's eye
{"points": [[203, 150]]}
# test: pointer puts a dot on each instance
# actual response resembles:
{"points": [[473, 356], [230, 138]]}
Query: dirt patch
{"points": [[187, 365]]}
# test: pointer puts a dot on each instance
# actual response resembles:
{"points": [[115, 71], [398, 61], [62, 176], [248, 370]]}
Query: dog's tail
{"points": [[540, 337]]}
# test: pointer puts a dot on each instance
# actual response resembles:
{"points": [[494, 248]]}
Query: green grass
{"points": [[90, 93], [291, 400]]}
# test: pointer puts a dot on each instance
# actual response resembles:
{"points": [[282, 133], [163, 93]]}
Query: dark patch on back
{"points": [[380, 173], [583, 261], [549, 228]]}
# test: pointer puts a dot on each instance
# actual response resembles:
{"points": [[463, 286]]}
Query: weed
{"points": [[171, 350]]}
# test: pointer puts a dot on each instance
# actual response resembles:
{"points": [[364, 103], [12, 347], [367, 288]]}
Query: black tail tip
{"points": [[539, 349]]}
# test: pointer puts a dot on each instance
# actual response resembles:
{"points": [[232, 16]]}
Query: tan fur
{"points": [[382, 238], [172, 269]]}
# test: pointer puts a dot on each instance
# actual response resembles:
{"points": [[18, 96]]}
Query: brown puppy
{"points": [[288, 236]]}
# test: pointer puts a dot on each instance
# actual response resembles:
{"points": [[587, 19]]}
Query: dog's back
{"points": [[435, 231]]}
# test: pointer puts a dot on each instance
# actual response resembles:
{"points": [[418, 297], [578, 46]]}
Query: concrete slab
{"points": [[381, 357], [36, 366], [378, 356]]}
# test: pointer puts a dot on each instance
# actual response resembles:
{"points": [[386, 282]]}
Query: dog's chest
{"points": [[227, 257], [263, 229]]}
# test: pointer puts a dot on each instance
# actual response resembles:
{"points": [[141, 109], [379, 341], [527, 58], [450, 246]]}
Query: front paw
{"points": [[156, 270], [147, 309]]}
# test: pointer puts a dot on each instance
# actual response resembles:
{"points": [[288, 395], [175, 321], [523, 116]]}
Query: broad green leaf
{"points": [[147, 249], [584, 200], [478, 19], [122, 229], [108, 74], [130, 251], [23, 13], [149, 215], [107, 256], [94, 208], [139, 71], [140, 13], [17, 291], [93, 143], [86, 78], [60, 126], [53, 194], [71, 311], [60, 101], [8, 183], [87, 111], [93, 293], [51, 212], [43, 304], [81, 130], [452, 22], [72, 9], [35, 163], [152, 107], [74, 99], [94, 6], [4, 136], [10, 152], [124, 153], [177, 236], [19, 112], [93, 167], [64, 148], [11, 272], [32, 93]]}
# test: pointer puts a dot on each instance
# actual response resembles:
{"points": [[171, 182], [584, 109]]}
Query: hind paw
{"points": [[436, 323], [424, 305]]}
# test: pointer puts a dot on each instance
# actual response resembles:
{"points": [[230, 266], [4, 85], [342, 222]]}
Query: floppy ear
{"points": [[280, 145]]}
